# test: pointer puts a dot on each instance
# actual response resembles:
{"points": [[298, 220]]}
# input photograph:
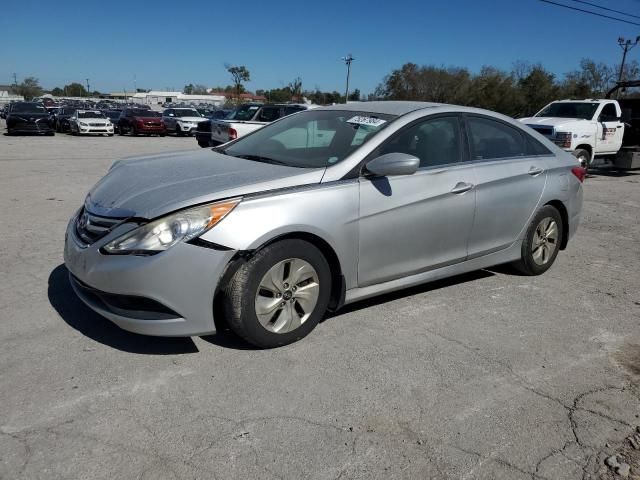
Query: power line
{"points": [[590, 12], [606, 8]]}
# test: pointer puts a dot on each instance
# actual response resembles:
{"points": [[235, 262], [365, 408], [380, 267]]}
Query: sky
{"points": [[160, 44]]}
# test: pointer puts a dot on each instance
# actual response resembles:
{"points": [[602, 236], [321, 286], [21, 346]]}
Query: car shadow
{"points": [[611, 172], [80, 317]]}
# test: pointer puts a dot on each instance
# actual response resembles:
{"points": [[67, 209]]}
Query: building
{"points": [[6, 97], [159, 97]]}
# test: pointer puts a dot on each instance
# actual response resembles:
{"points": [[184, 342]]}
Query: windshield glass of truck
{"points": [[311, 139], [582, 110], [90, 115]]}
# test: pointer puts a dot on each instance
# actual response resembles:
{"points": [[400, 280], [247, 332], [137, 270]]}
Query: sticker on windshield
{"points": [[370, 121]]}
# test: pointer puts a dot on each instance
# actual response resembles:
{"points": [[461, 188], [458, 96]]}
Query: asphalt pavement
{"points": [[488, 375]]}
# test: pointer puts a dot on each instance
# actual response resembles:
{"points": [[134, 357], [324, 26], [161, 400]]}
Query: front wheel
{"points": [[279, 295], [542, 242], [203, 144], [178, 131], [132, 130], [584, 157]]}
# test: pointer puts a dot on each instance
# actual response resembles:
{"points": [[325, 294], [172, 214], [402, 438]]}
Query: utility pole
{"points": [[347, 60], [15, 80], [135, 84], [87, 87], [626, 45]]}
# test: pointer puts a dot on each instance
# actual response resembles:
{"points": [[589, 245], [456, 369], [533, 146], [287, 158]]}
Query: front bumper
{"points": [[27, 127], [100, 129], [182, 279]]}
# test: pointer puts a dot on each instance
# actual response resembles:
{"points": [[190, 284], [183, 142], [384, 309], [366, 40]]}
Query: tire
{"points": [[58, 128], [120, 131], [538, 253], [283, 308], [178, 131], [109, 134], [583, 156], [203, 144], [132, 130], [9, 131]]}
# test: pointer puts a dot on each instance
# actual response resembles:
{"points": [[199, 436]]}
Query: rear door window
{"points": [[491, 139]]}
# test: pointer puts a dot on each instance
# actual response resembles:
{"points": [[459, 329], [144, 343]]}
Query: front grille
{"points": [[546, 131], [204, 126], [152, 124], [97, 125], [91, 228]]}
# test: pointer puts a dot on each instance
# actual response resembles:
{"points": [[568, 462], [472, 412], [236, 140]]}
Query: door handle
{"points": [[462, 187], [535, 171]]}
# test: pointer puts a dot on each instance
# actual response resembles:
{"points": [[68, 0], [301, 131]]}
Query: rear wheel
{"points": [[132, 130], [279, 295], [203, 144], [542, 242]]}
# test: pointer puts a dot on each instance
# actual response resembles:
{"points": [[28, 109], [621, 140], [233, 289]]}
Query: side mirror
{"points": [[393, 164]]}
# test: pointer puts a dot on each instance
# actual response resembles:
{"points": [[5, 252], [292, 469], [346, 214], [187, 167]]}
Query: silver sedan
{"points": [[315, 211]]}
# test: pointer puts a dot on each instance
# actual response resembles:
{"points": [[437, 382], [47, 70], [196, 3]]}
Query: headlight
{"points": [[165, 232], [84, 124], [563, 139]]}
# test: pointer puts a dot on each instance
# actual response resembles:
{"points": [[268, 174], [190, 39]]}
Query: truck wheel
{"points": [[203, 143], [583, 156]]}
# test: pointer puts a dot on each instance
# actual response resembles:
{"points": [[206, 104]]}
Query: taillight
{"points": [[233, 134], [580, 173]]}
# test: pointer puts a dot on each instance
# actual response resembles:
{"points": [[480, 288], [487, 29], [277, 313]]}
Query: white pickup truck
{"points": [[250, 117], [587, 128]]}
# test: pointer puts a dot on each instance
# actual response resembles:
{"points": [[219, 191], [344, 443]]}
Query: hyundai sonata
{"points": [[315, 211]]}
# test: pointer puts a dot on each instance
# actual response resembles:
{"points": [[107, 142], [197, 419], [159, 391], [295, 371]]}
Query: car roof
{"points": [[387, 107]]}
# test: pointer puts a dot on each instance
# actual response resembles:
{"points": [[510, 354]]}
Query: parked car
{"points": [[114, 116], [251, 117], [135, 121], [203, 134], [60, 120], [181, 121], [315, 211], [28, 117], [87, 122]]}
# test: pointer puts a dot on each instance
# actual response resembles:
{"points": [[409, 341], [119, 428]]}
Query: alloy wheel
{"points": [[545, 241], [287, 295]]}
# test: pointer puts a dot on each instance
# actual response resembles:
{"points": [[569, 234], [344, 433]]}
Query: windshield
{"points": [[146, 113], [28, 108], [312, 139], [244, 113], [584, 110], [185, 112], [90, 115]]}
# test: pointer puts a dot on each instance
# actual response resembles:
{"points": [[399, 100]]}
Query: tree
{"points": [[295, 88], [57, 92], [75, 89], [188, 89], [355, 95], [28, 88], [239, 74]]}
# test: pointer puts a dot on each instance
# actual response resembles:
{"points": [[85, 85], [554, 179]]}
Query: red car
{"points": [[137, 121]]}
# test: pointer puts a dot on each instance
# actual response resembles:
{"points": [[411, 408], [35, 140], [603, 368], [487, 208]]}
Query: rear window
{"points": [[491, 139]]}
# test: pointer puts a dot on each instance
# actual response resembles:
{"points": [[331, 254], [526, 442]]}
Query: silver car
{"points": [[317, 210]]}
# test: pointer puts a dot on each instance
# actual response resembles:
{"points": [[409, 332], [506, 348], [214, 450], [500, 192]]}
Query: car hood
{"points": [[190, 119], [552, 121], [151, 186]]}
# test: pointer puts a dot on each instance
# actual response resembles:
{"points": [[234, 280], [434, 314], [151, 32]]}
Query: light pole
{"points": [[347, 61], [88, 94], [626, 45]]}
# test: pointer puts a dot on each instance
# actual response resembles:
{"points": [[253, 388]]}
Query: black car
{"points": [[60, 120], [114, 116], [28, 117], [203, 134]]}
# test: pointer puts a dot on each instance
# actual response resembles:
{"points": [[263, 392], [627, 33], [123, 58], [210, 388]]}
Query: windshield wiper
{"points": [[259, 158]]}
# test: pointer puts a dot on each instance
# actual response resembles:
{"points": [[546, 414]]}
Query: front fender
{"points": [[328, 211]]}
